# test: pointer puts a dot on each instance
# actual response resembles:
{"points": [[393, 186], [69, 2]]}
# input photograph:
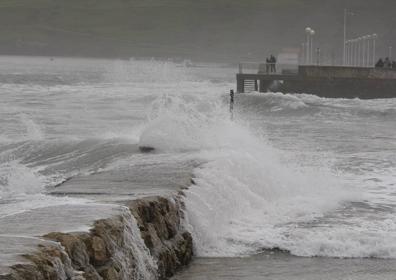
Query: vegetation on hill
{"points": [[201, 29]]}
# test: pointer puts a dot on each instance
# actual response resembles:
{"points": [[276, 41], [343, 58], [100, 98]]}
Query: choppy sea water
{"points": [[311, 176]]}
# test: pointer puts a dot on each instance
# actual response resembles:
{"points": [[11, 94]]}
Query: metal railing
{"points": [[267, 68]]}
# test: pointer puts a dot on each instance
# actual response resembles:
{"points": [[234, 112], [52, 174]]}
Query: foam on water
{"points": [[247, 195], [244, 193], [17, 179], [23, 189]]}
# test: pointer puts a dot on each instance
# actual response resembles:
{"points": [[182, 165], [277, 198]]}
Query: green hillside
{"points": [[202, 29]]}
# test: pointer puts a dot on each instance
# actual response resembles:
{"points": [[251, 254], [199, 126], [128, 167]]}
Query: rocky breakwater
{"points": [[145, 241], [122, 223]]}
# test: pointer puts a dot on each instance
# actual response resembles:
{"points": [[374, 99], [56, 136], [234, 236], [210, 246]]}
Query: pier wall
{"points": [[334, 72]]}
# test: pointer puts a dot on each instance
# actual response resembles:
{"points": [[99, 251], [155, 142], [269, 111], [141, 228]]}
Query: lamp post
{"points": [[308, 32], [368, 37], [347, 52], [374, 50], [346, 13], [355, 52], [359, 52], [364, 51], [312, 46], [344, 53], [350, 49]]}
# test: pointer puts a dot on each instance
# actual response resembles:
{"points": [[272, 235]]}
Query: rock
{"points": [[159, 220], [116, 247], [100, 254], [146, 149]]}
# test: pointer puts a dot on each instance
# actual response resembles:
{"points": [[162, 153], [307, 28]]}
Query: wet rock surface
{"points": [[136, 235], [107, 251]]}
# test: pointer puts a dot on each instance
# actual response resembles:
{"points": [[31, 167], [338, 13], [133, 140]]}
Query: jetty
{"points": [[323, 81], [131, 228]]}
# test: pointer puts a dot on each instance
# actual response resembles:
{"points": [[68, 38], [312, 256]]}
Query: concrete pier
{"points": [[324, 81]]}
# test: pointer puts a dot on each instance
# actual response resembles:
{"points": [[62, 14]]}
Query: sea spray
{"points": [[181, 123], [244, 198], [18, 179], [33, 130], [23, 188]]}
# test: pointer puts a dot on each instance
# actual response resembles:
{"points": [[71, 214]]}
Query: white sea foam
{"points": [[33, 130], [248, 195], [244, 193], [17, 179], [23, 189]]}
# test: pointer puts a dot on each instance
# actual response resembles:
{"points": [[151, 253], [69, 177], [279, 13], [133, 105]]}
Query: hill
{"points": [[224, 30]]}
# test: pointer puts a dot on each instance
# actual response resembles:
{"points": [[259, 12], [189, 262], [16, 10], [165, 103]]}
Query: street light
{"points": [[308, 32], [347, 52], [364, 50], [312, 47], [374, 36], [367, 48], [346, 13], [351, 52], [359, 60], [355, 52]]}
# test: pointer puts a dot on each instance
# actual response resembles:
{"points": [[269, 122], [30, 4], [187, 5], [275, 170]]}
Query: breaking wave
{"points": [[244, 196]]}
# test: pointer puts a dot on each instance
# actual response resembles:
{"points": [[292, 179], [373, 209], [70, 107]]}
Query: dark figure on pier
{"points": [[273, 64], [380, 63], [231, 99], [232, 103], [387, 63]]}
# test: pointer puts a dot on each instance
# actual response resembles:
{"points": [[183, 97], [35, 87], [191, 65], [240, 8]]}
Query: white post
{"points": [[364, 51], [349, 52], [345, 23], [353, 52], [368, 50], [374, 50], [359, 54], [355, 49], [308, 32], [347, 46], [312, 47], [307, 49]]}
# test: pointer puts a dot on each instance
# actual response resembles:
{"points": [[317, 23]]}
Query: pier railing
{"points": [[267, 68]]}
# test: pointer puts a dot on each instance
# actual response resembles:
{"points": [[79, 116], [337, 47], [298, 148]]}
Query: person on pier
{"points": [[379, 64], [273, 64]]}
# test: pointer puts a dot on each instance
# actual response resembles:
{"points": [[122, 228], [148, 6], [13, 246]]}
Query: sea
{"points": [[288, 186]]}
